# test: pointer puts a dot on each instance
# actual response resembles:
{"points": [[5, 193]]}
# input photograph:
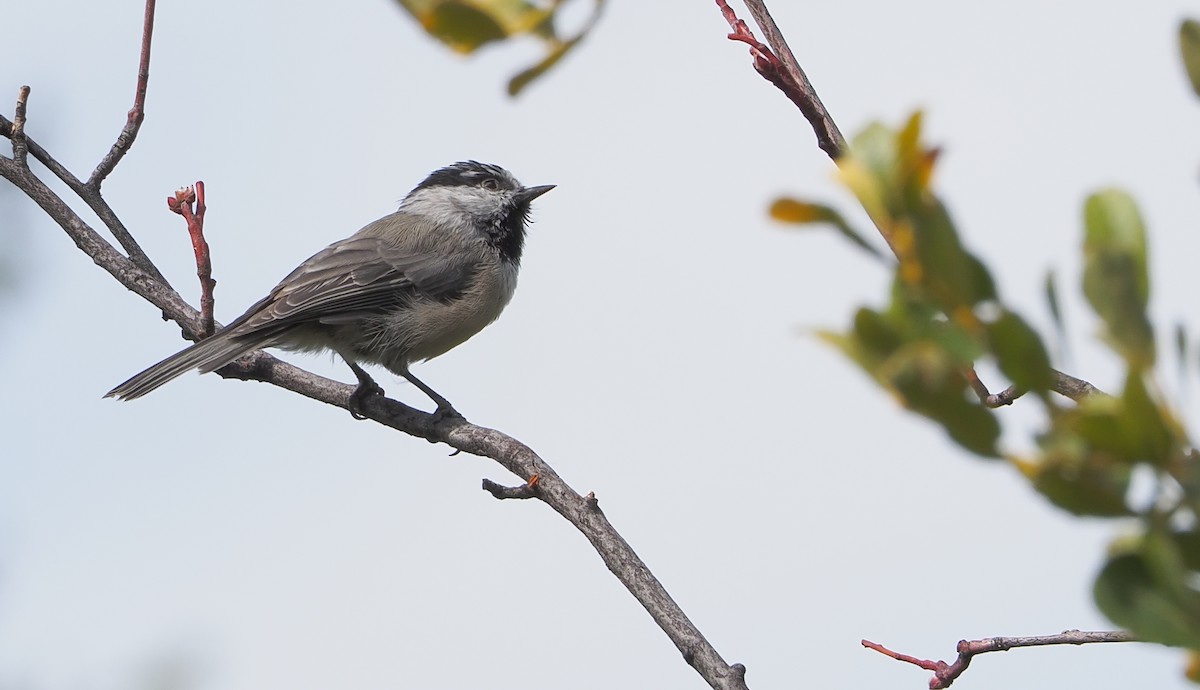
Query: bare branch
{"points": [[945, 674], [581, 511], [91, 196], [1073, 388], [133, 121], [1064, 384]]}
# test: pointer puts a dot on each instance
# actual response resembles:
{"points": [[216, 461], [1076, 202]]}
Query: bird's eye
{"points": [[490, 183]]}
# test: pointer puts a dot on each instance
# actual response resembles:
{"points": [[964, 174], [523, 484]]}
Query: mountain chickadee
{"points": [[406, 288]]}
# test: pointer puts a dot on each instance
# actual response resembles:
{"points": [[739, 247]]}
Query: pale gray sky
{"points": [[658, 351]]}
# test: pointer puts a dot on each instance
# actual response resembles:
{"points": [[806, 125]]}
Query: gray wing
{"points": [[353, 278], [348, 280]]}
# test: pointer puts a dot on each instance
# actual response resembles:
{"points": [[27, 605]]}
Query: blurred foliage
{"points": [[944, 314], [467, 25], [1189, 46], [793, 211]]}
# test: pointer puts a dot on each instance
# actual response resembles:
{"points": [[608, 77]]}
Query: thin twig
{"points": [[779, 66], [16, 131], [133, 121], [945, 674], [189, 203]]}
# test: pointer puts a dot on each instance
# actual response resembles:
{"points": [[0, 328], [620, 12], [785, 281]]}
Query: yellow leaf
{"points": [[795, 211]]}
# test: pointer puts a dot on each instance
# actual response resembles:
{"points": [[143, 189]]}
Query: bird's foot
{"points": [[444, 412], [365, 390]]}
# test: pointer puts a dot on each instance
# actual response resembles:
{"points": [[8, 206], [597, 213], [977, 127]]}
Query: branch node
{"points": [[591, 502]]}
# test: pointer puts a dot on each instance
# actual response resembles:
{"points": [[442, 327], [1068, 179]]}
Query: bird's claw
{"points": [[444, 412], [365, 390]]}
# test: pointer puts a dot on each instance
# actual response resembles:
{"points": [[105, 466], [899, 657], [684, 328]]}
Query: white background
{"points": [[659, 351]]}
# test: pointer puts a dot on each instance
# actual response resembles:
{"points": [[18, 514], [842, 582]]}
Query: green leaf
{"points": [[1053, 303], [1189, 48], [1056, 315], [918, 319], [1079, 480], [944, 261], [1181, 348], [876, 333], [790, 210], [1130, 429], [1051, 288], [1115, 279], [1020, 353], [526, 76], [1147, 592], [1187, 542], [558, 49], [467, 25], [875, 148], [922, 361], [931, 382], [1148, 423]]}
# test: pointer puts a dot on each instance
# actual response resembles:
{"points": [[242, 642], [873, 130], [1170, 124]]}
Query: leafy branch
{"points": [[944, 314]]}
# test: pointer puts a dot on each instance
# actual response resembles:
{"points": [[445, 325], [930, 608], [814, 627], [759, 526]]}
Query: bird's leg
{"points": [[366, 387], [444, 408]]}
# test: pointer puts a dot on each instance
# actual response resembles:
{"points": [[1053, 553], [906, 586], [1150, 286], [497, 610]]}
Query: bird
{"points": [[405, 288]]}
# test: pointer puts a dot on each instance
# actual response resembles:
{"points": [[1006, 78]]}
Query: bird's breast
{"points": [[433, 327]]}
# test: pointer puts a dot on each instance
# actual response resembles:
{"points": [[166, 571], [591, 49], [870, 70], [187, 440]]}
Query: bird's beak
{"points": [[528, 194]]}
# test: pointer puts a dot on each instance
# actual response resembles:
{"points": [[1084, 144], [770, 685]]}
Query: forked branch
{"points": [[140, 275], [944, 674]]}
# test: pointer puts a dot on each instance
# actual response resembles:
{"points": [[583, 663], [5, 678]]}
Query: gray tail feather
{"points": [[207, 355]]}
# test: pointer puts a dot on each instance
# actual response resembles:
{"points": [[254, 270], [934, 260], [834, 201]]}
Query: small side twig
{"points": [[133, 121], [944, 674], [182, 203], [501, 492], [17, 130]]}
